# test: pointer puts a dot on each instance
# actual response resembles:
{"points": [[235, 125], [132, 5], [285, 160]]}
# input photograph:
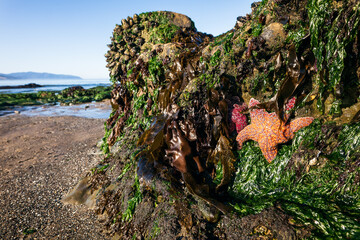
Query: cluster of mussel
{"points": [[136, 35], [125, 45]]}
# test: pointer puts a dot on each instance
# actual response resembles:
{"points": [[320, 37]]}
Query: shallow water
{"points": [[99, 110]]}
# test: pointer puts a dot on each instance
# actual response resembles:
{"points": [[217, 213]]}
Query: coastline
{"points": [[41, 159]]}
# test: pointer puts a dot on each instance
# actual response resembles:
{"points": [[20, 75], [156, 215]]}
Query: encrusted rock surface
{"points": [[173, 170], [274, 34]]}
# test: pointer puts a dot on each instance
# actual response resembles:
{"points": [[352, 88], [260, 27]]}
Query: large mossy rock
{"points": [[173, 170]]}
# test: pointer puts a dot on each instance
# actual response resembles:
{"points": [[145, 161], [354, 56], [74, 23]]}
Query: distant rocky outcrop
{"points": [[36, 75], [30, 85]]}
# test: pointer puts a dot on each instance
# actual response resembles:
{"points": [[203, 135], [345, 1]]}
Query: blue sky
{"points": [[71, 36]]}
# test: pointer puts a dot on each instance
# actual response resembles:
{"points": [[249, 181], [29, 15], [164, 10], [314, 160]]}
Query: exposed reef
{"points": [[71, 95], [173, 169]]}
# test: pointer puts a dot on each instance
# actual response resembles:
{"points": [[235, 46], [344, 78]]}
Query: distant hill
{"points": [[35, 75], [5, 76]]}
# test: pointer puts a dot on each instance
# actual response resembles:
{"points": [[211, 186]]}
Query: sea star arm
{"points": [[297, 124], [246, 134], [269, 151]]}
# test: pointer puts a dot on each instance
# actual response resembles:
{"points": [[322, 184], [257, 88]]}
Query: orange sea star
{"points": [[267, 129]]}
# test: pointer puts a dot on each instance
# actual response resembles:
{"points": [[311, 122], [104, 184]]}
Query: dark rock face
{"points": [[173, 165]]}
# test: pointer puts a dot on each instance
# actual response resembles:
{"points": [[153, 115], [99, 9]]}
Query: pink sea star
{"points": [[290, 104], [267, 129], [238, 118]]}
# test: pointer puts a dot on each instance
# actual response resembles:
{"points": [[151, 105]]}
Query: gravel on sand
{"points": [[41, 159]]}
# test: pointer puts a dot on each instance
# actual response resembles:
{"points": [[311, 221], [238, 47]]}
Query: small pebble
{"points": [[313, 162]]}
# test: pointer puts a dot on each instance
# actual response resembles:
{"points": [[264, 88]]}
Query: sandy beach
{"points": [[41, 159]]}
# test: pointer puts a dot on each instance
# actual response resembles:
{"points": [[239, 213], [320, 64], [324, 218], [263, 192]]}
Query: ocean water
{"points": [[51, 84]]}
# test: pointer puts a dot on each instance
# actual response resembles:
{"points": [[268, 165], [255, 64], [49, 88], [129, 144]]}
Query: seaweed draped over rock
{"points": [[173, 165]]}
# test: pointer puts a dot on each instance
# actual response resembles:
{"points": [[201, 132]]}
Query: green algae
{"points": [[325, 195], [215, 58], [141, 85], [105, 148], [256, 29], [99, 168], [137, 195], [104, 144], [134, 201], [142, 94], [125, 170], [257, 24], [224, 41], [66, 96], [259, 83], [162, 32], [80, 95], [260, 8], [155, 231], [28, 231], [18, 99], [224, 52], [219, 173], [128, 177], [332, 30], [209, 80], [156, 69], [136, 120], [296, 33]]}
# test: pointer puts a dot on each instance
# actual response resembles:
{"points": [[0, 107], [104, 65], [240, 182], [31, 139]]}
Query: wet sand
{"points": [[41, 159]]}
